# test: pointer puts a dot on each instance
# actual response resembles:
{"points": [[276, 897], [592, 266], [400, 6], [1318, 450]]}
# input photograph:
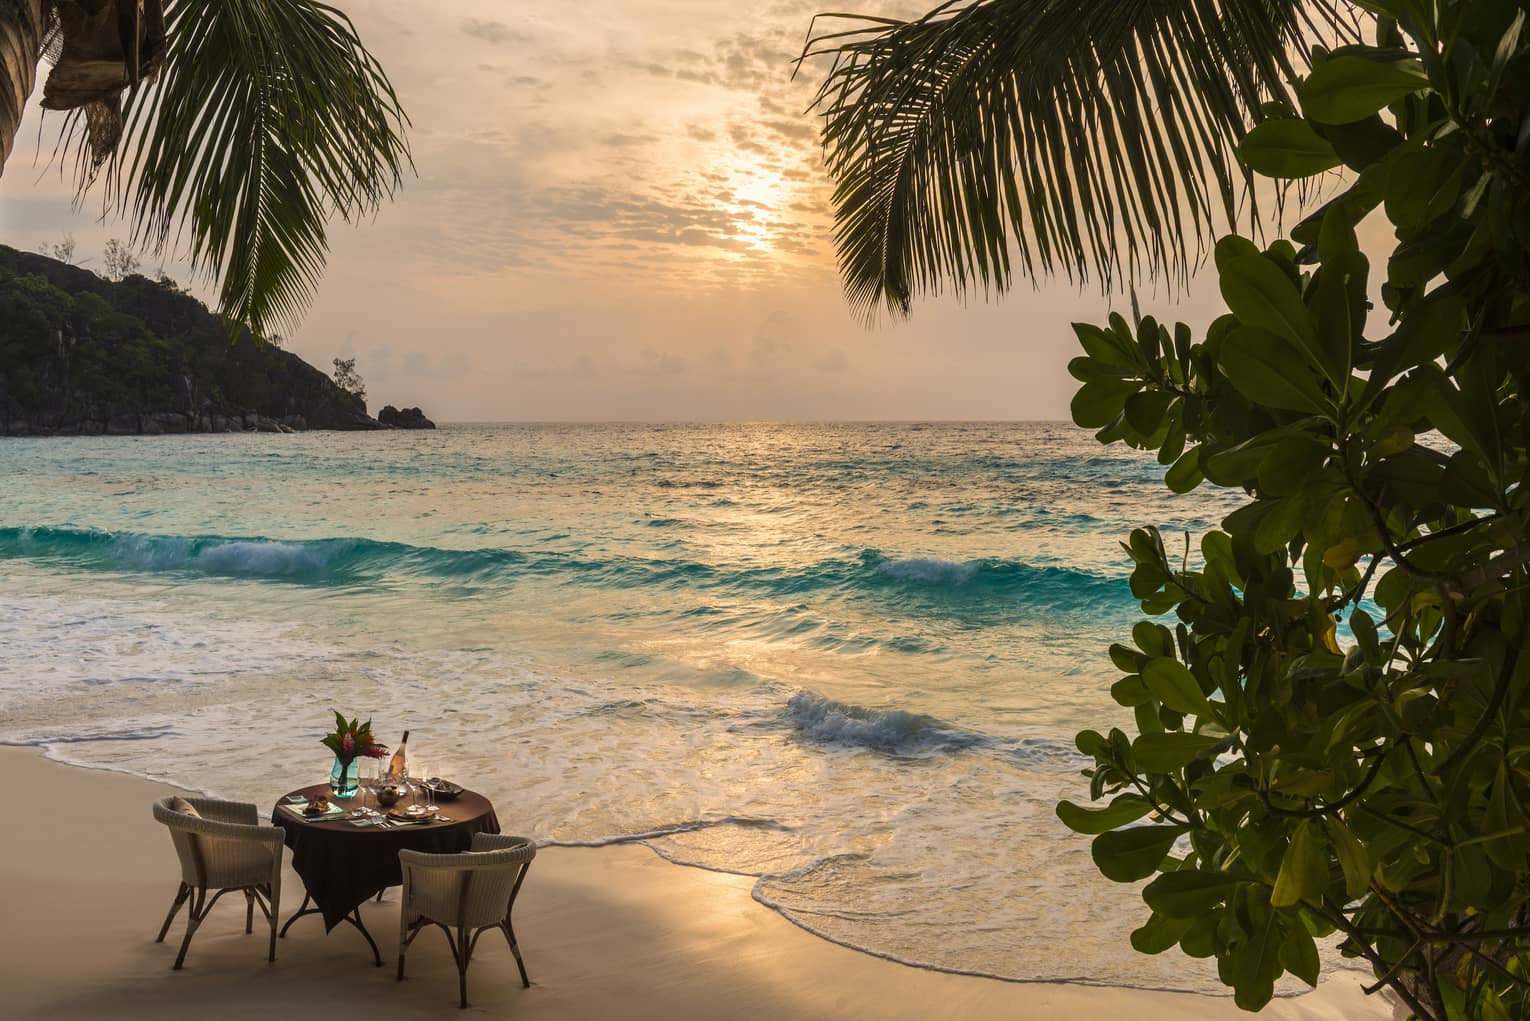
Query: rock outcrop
{"points": [[409, 418], [80, 355]]}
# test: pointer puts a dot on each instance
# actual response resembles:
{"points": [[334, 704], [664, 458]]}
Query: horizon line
{"points": [[752, 421]]}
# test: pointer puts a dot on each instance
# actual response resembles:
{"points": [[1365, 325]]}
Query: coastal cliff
{"points": [[81, 355]]}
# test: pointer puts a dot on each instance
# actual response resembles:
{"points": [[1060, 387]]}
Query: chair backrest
{"points": [[471, 889], [224, 846]]}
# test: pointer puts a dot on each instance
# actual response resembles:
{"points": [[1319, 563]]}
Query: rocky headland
{"points": [[82, 356]]}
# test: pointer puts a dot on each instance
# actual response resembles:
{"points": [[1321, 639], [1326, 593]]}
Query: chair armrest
{"points": [[227, 811], [265, 834], [499, 842], [519, 850], [273, 835]]}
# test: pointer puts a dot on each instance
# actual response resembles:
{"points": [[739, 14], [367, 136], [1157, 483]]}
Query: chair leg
{"points": [[249, 912], [516, 950], [271, 897], [192, 922], [464, 955], [180, 898], [406, 934]]}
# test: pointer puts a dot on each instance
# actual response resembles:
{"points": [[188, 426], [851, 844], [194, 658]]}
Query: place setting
{"points": [[365, 793]]}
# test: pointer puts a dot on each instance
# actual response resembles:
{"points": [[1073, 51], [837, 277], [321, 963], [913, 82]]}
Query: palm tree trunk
{"points": [[21, 32]]}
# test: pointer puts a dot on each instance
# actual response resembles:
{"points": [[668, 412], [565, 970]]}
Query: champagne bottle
{"points": [[397, 765]]}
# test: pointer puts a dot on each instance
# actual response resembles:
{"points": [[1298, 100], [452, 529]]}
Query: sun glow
{"points": [[759, 206]]}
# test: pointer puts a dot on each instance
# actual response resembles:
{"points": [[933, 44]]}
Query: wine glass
{"points": [[368, 783], [424, 774]]}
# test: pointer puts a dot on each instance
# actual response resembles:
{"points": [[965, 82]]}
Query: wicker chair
{"points": [[226, 849], [470, 892]]}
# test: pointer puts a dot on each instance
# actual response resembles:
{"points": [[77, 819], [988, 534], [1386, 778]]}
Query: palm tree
{"points": [[1093, 138], [238, 125]]}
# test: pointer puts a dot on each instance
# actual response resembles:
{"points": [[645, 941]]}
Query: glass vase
{"points": [[344, 778]]}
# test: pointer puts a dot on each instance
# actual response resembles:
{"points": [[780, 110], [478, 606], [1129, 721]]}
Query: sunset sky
{"points": [[621, 213]]}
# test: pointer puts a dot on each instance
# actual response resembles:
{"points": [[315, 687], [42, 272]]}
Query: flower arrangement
{"points": [[351, 740]]}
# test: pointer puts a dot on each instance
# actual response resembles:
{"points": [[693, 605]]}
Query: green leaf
{"points": [[1159, 933], [1282, 524], [1129, 660], [1351, 853], [1133, 853], [1175, 686], [1232, 247], [1124, 809], [1267, 370], [1303, 868], [1501, 819], [1164, 753], [1298, 954], [1186, 472], [1130, 691], [1361, 144], [1200, 940], [1287, 149], [1346, 89], [1256, 963], [1236, 465], [1433, 329], [1187, 893], [1423, 186], [1100, 400], [1151, 638], [1091, 743], [1290, 465], [1145, 410], [1102, 347], [1260, 294], [1341, 308]]}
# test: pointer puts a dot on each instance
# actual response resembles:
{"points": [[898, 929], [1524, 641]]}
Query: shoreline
{"points": [[617, 929]]}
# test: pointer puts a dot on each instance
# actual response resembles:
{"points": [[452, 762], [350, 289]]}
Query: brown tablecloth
{"points": [[343, 866]]}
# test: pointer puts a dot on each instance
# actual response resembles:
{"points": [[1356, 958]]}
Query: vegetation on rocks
{"points": [[81, 354]]}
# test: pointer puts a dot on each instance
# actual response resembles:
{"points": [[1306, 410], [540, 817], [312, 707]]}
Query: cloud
{"points": [[661, 363], [833, 360], [447, 366], [495, 33]]}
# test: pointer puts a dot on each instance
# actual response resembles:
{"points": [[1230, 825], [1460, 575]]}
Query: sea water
{"points": [[848, 660]]}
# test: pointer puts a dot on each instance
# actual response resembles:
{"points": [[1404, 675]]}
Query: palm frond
{"points": [[1091, 139], [268, 117]]}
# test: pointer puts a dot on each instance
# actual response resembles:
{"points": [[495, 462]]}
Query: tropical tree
{"points": [[241, 126], [1329, 704], [348, 379], [1092, 140], [118, 259]]}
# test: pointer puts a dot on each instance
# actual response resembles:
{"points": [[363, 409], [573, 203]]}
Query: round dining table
{"points": [[343, 865]]}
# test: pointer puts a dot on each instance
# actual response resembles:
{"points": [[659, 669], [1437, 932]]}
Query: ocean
{"points": [[846, 659]]}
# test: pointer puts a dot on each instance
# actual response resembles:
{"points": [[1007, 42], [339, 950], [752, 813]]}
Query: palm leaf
{"points": [[268, 117], [1091, 139]]}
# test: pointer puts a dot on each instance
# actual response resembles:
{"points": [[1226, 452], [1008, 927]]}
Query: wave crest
{"points": [[894, 731], [921, 584], [931, 570]]}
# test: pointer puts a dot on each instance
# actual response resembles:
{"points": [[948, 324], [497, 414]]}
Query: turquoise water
{"points": [[846, 659]]}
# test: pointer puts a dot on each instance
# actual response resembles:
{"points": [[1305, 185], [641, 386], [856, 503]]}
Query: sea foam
{"points": [[884, 730]]}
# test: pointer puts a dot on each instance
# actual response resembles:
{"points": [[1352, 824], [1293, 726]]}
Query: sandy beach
{"points": [[607, 932]]}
